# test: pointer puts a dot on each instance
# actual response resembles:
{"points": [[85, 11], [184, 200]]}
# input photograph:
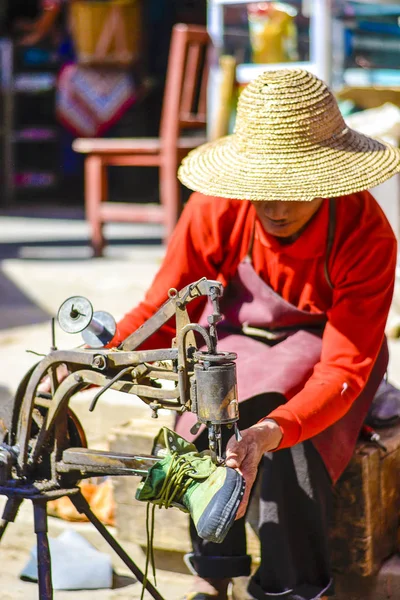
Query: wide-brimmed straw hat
{"points": [[290, 143]]}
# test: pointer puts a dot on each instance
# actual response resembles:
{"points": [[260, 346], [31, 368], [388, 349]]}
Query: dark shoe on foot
{"points": [[192, 482]]}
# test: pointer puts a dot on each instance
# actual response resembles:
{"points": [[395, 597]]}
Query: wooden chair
{"points": [[184, 107]]}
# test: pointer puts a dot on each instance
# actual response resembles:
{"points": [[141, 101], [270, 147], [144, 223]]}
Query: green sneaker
{"points": [[190, 481]]}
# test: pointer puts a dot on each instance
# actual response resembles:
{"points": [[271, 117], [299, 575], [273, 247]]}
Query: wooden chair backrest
{"points": [[184, 104]]}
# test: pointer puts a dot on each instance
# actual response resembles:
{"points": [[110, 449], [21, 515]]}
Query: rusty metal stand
{"points": [[43, 549], [9, 513], [39, 500]]}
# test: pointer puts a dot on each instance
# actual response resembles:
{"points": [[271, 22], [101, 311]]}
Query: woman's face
{"points": [[283, 218]]}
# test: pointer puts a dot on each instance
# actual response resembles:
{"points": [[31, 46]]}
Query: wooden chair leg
{"points": [[104, 183], [94, 195], [170, 196]]}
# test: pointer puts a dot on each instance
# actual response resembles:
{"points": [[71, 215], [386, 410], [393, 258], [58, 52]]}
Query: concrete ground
{"points": [[45, 260]]}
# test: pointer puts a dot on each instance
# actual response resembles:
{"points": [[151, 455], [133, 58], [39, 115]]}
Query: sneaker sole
{"points": [[215, 523]]}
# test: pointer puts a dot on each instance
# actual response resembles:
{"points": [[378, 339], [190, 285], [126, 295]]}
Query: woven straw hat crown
{"points": [[281, 111], [290, 143]]}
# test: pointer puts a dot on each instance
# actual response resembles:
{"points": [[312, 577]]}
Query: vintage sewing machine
{"points": [[43, 449]]}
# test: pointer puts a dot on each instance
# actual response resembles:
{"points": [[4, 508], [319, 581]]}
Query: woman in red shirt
{"points": [[281, 217]]}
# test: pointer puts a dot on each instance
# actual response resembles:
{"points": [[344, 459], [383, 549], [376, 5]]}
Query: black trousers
{"points": [[294, 511]]}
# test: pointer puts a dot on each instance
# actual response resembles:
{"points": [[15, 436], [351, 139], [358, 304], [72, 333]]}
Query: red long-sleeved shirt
{"points": [[212, 237]]}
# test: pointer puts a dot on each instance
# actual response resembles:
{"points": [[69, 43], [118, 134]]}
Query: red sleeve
{"points": [[197, 249], [363, 278]]}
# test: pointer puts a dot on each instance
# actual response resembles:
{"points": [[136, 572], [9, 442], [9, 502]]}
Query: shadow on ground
{"points": [[18, 250], [121, 581], [16, 309]]}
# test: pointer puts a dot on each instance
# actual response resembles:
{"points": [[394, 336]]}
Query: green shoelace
{"points": [[173, 489]]}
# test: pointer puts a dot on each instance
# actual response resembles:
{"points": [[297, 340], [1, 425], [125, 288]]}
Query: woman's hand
{"points": [[45, 385], [245, 456]]}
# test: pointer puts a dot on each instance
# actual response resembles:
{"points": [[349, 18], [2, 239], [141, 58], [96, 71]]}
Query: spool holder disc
{"points": [[76, 315]]}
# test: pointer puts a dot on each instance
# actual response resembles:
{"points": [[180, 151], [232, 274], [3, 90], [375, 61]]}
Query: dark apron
{"points": [[285, 363]]}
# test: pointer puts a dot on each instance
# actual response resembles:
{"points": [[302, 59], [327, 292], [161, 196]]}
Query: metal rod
{"points": [[168, 310], [107, 386], [320, 38], [83, 507], [43, 551], [9, 513], [96, 327], [3, 527]]}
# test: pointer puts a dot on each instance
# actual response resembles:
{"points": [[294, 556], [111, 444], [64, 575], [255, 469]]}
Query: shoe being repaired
{"points": [[191, 481]]}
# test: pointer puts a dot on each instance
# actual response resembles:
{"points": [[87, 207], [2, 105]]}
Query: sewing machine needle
{"points": [[238, 435]]}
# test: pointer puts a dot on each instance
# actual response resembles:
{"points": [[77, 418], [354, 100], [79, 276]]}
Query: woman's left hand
{"points": [[245, 456]]}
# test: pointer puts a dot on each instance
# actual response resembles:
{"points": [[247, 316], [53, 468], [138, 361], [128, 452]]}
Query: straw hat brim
{"points": [[350, 163]]}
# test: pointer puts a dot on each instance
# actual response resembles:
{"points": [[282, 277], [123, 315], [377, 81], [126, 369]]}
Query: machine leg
{"points": [[9, 513], [43, 551], [82, 506]]}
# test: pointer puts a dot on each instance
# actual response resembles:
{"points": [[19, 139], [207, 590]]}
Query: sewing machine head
{"points": [[205, 379], [202, 381]]}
